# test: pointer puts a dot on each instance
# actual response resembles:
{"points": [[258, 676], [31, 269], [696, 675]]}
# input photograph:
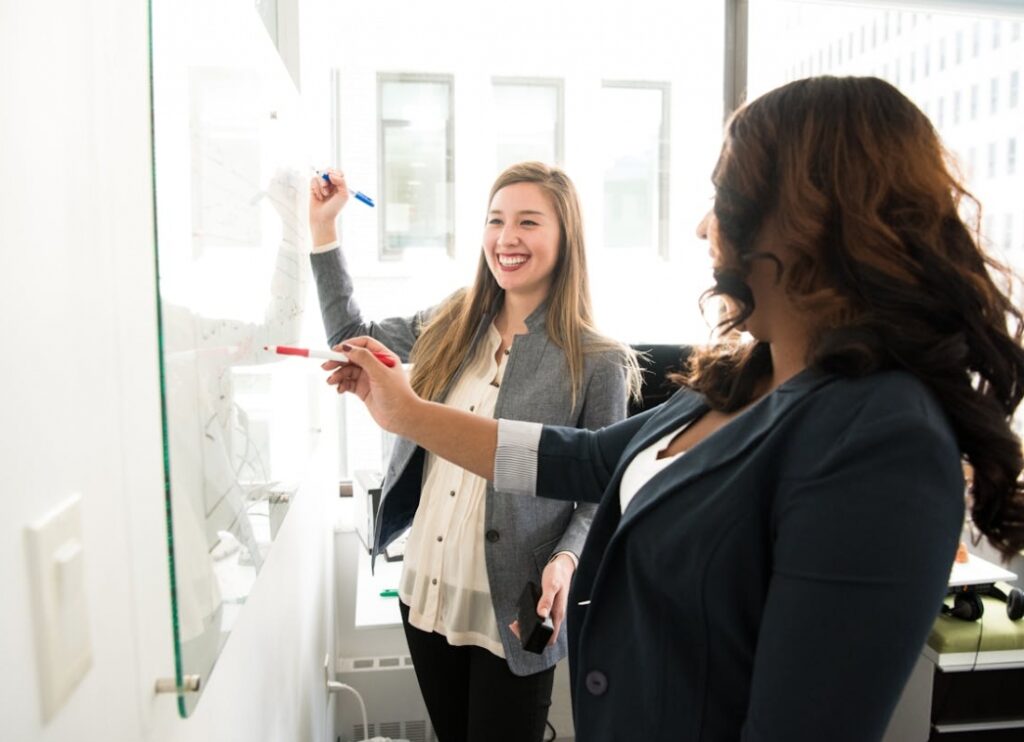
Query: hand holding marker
{"points": [[330, 355], [359, 195]]}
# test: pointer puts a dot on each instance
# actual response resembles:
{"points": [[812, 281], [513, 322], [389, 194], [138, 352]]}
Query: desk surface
{"points": [[978, 571]]}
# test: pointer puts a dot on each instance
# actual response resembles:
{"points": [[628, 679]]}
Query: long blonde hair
{"points": [[448, 337]]}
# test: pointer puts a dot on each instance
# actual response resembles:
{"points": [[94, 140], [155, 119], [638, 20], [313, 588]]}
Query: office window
{"points": [[528, 120], [956, 107], [416, 162], [994, 96], [927, 60], [974, 102], [897, 71], [1015, 31], [972, 162], [959, 56], [991, 172], [1008, 231], [942, 55], [996, 33], [941, 118], [1011, 156], [976, 40], [1014, 91], [636, 124]]}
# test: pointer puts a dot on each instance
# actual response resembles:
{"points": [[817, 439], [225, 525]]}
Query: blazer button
{"points": [[596, 683], [492, 536]]}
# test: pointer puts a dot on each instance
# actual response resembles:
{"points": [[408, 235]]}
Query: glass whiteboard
{"points": [[239, 424]]}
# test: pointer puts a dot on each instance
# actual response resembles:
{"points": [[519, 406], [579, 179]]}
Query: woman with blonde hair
{"points": [[519, 342]]}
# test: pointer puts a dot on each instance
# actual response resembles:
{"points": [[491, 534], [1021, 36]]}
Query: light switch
{"points": [[63, 647]]}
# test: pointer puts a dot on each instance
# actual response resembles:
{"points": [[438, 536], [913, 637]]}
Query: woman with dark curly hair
{"points": [[773, 543]]}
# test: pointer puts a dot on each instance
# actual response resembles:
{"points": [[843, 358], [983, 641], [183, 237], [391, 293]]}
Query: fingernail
{"points": [[346, 347]]}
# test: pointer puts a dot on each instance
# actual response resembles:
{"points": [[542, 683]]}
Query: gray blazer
{"points": [[521, 532]]}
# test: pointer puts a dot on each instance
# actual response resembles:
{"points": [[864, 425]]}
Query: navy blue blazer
{"points": [[775, 582]]}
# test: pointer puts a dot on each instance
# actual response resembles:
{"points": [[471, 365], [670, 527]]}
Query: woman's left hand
{"points": [[554, 585]]}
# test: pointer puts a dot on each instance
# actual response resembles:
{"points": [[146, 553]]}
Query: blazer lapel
{"points": [[722, 447]]}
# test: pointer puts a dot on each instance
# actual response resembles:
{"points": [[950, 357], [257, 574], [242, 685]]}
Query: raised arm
{"points": [[563, 463], [463, 438], [338, 307]]}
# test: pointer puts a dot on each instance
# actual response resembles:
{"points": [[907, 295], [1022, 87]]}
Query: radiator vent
{"points": [[413, 731], [394, 706]]}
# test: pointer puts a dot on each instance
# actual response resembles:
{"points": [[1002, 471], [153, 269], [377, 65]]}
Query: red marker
{"points": [[330, 355]]}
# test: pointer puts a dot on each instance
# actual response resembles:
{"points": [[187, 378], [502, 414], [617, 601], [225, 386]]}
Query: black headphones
{"points": [[968, 606]]}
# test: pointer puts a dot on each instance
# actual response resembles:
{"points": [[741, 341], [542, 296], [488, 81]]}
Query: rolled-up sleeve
{"points": [[515, 460]]}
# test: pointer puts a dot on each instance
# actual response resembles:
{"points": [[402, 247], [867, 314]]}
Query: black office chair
{"points": [[656, 362]]}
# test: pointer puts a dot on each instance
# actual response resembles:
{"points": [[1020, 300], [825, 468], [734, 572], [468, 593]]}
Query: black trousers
{"points": [[472, 696]]}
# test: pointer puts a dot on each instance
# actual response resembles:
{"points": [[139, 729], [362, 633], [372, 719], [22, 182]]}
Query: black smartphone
{"points": [[534, 631]]}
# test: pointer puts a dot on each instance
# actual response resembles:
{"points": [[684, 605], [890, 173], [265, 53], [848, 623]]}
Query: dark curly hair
{"points": [[859, 187]]}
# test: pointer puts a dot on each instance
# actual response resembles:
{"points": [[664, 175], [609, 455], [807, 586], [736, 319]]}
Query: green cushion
{"points": [[996, 630]]}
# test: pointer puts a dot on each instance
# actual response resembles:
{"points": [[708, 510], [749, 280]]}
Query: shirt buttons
{"points": [[439, 539], [433, 581], [492, 536], [508, 351], [452, 493], [596, 682], [472, 407]]}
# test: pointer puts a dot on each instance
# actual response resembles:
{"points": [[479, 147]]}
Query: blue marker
{"points": [[359, 195]]}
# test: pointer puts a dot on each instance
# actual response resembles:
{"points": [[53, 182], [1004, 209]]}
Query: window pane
{"points": [[415, 156], [527, 122], [632, 120]]}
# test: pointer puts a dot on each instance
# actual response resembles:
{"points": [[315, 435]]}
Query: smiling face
{"points": [[521, 239]]}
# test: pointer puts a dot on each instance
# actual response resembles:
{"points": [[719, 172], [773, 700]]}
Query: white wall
{"points": [[80, 407]]}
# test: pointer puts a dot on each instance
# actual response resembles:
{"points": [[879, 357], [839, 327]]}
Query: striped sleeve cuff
{"points": [[515, 461]]}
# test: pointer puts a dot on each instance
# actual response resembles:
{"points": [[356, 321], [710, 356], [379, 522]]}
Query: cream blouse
{"points": [[444, 575]]}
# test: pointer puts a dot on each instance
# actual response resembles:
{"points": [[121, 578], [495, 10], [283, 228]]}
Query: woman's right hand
{"points": [[326, 200], [385, 391]]}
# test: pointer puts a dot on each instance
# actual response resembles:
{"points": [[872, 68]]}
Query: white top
{"points": [[444, 577], [645, 466]]}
